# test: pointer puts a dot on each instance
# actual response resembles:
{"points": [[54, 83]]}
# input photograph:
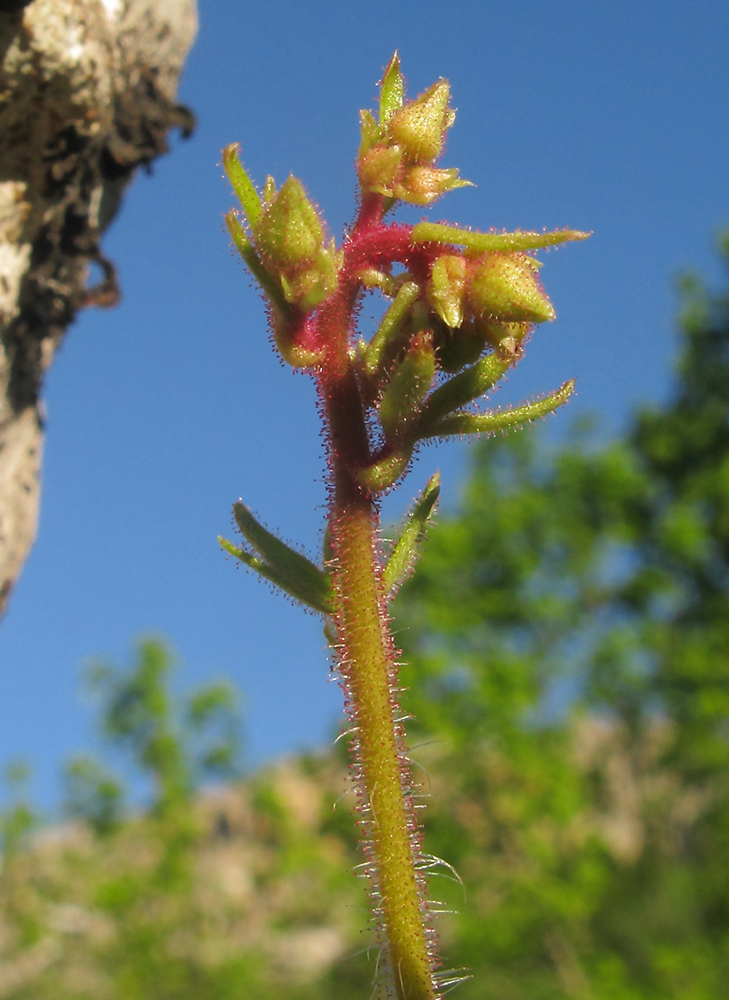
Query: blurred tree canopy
{"points": [[567, 642]]}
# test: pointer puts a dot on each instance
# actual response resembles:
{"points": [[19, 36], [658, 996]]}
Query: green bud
{"points": [[446, 288], [505, 287], [420, 126], [409, 382], [289, 232]]}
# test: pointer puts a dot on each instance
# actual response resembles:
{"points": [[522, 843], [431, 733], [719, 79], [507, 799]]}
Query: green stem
{"points": [[367, 665]]}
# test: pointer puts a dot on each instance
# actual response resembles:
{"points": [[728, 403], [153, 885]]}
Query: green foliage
{"points": [[569, 638]]}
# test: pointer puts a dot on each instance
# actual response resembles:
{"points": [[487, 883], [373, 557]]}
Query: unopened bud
{"points": [[289, 232], [446, 288], [505, 287], [379, 169], [420, 126], [423, 185]]}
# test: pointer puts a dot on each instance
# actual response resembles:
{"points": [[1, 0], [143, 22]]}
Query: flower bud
{"points": [[308, 287], [505, 287], [446, 288], [420, 126], [289, 232], [290, 240], [422, 185], [379, 169]]}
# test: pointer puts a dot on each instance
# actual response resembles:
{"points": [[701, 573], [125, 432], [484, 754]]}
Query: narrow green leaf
{"points": [[462, 389], [390, 326], [507, 419], [404, 552], [408, 382], [301, 594], [280, 564], [431, 232], [392, 91], [242, 185], [245, 248]]}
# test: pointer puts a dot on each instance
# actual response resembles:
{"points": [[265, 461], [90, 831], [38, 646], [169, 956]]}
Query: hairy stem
{"points": [[367, 665], [368, 671]]}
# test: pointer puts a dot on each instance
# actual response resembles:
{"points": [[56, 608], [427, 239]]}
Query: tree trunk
{"points": [[87, 94]]}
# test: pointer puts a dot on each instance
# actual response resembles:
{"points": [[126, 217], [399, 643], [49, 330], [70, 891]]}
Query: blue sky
{"points": [[162, 412]]}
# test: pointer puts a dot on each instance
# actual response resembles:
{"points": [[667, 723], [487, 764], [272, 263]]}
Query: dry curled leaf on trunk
{"points": [[87, 95]]}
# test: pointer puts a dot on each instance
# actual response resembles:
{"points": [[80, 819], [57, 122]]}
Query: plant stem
{"points": [[368, 669]]}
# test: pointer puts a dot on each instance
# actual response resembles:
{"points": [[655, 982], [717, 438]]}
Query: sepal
{"points": [[265, 279], [446, 288]]}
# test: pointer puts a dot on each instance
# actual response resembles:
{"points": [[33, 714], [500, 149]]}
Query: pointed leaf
{"points": [[501, 420], [431, 232], [390, 326], [392, 91], [302, 594], [284, 566], [242, 185], [463, 388], [404, 552], [270, 285]]}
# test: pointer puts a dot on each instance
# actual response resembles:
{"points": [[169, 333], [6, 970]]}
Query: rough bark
{"points": [[87, 95]]}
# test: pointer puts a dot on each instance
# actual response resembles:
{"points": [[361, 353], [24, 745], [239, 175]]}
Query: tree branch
{"points": [[87, 95]]}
